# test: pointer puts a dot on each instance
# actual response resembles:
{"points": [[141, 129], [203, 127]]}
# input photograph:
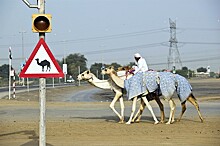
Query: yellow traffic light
{"points": [[41, 23]]}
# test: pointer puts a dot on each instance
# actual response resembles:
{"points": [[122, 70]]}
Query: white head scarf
{"points": [[137, 55]]}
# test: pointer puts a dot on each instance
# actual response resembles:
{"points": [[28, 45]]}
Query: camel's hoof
{"points": [[155, 123], [121, 122], [162, 122], [168, 123], [202, 120], [128, 123]]}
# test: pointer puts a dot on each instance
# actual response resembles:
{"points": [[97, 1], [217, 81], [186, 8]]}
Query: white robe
{"points": [[141, 66]]}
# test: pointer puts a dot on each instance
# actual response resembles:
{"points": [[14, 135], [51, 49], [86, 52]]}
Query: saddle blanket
{"points": [[150, 81]]}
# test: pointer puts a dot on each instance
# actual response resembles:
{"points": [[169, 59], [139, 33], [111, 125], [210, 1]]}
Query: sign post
{"points": [[39, 67], [42, 91], [42, 64]]}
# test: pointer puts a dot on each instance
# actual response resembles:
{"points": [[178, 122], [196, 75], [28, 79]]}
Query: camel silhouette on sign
{"points": [[43, 63]]}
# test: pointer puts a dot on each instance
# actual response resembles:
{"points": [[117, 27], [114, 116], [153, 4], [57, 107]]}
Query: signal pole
{"points": [[174, 56], [42, 90], [42, 81]]}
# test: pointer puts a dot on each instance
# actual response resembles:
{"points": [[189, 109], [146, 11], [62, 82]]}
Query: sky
{"points": [[107, 31]]}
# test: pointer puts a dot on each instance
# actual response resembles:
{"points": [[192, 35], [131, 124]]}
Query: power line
{"points": [[116, 36], [122, 49], [191, 60], [199, 29], [201, 43]]}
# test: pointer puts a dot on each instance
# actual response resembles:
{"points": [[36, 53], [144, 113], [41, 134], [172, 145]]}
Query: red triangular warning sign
{"points": [[41, 63]]}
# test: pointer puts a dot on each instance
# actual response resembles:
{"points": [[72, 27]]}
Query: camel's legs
{"points": [[122, 109], [162, 117], [183, 110], [150, 109], [172, 111], [142, 106], [194, 102], [139, 112], [112, 106], [132, 110]]}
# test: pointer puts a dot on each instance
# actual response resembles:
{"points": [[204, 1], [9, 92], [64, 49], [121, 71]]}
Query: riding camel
{"points": [[106, 84], [144, 99], [175, 82]]}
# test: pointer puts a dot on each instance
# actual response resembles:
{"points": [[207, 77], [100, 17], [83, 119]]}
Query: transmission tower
{"points": [[174, 61]]}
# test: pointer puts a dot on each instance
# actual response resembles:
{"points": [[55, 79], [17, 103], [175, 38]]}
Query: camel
{"points": [[43, 63], [179, 82], [106, 84], [144, 100]]}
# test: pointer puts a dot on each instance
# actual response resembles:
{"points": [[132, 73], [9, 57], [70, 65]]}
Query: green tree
{"points": [[4, 71], [201, 69], [96, 69], [185, 72], [115, 65], [73, 62]]}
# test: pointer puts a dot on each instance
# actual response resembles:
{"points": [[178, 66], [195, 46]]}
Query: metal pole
{"points": [[42, 91], [14, 85], [27, 84], [79, 73], [22, 44], [9, 77], [53, 82], [42, 81], [64, 60]]}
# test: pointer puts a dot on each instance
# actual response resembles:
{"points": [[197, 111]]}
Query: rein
{"points": [[129, 72], [90, 78]]}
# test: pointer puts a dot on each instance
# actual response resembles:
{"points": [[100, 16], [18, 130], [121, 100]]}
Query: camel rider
{"points": [[141, 64]]}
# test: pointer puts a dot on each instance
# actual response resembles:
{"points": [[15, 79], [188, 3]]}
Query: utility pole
{"points": [[22, 44], [174, 56], [22, 57], [9, 76]]}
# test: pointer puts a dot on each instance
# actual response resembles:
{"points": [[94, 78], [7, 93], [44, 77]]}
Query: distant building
{"points": [[203, 74]]}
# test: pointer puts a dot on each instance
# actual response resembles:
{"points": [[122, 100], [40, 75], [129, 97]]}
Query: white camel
{"points": [[123, 73], [106, 84], [178, 81], [144, 102]]}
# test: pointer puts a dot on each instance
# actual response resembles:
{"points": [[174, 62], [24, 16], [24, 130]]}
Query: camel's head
{"points": [[108, 70], [37, 59], [86, 75]]}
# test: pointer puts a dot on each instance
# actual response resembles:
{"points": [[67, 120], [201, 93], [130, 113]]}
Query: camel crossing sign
{"points": [[41, 63]]}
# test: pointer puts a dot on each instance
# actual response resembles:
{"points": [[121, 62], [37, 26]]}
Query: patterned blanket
{"points": [[183, 88], [134, 86], [151, 81]]}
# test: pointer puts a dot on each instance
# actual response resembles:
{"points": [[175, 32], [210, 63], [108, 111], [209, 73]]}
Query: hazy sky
{"points": [[113, 30]]}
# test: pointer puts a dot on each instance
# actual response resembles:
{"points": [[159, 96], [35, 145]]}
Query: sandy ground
{"points": [[92, 123]]}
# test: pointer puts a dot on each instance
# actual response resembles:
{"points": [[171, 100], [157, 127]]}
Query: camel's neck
{"points": [[103, 84], [38, 62], [118, 81]]}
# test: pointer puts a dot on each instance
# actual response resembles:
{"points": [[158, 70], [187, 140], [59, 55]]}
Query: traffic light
{"points": [[41, 23]]}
